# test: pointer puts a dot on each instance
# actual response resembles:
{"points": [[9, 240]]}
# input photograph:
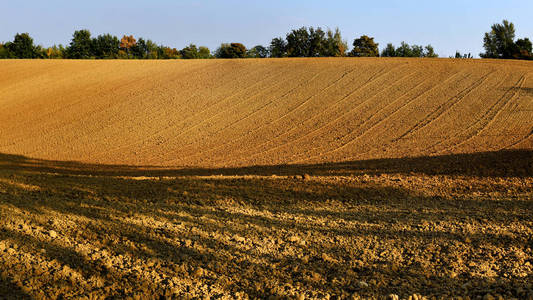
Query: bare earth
{"points": [[290, 178]]}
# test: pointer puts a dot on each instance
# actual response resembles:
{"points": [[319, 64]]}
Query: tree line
{"points": [[105, 46], [302, 42]]}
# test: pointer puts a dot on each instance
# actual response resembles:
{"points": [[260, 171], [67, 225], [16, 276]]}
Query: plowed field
{"points": [[257, 112], [290, 178]]}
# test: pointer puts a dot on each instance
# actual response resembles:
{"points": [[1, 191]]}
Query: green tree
{"points": [[298, 43], [40, 52], [105, 46], [55, 52], [4, 52], [81, 45], [365, 47], [459, 55], [151, 50], [404, 50], [499, 42], [335, 46], [525, 47], [317, 42], [258, 52], [430, 52], [233, 50], [193, 52], [304, 42], [278, 47], [22, 46], [238, 49], [140, 49], [164, 52], [389, 51], [189, 52], [417, 51], [204, 52]]}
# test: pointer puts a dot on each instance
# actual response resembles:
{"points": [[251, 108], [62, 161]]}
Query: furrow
{"points": [[490, 115], [443, 108]]}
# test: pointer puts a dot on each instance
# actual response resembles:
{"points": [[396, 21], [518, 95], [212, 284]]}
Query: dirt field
{"points": [[283, 178], [217, 113]]}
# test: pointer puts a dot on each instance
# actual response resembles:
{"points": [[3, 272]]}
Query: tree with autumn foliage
{"points": [[126, 45], [335, 45], [168, 53]]}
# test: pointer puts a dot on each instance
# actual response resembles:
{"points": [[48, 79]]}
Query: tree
{"points": [[335, 46], [298, 43], [389, 51], [127, 43], [54, 52], [317, 42], [151, 50], [189, 52], [22, 46], [404, 50], [4, 52], [459, 55], [365, 47], [305, 42], [233, 50], [140, 49], [81, 45], [499, 42], [164, 52], [524, 47], [258, 52], [430, 52], [204, 52], [417, 51], [278, 47], [106, 46]]}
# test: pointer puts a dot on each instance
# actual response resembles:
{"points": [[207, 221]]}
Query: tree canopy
{"points": [[278, 47], [365, 47], [258, 51], [233, 50], [406, 50], [81, 45], [22, 46], [499, 42], [300, 42]]}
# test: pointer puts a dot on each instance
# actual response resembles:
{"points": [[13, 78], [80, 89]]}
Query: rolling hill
{"points": [[230, 113]]}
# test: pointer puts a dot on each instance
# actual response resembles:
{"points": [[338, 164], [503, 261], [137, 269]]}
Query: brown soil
{"points": [[297, 178], [227, 113]]}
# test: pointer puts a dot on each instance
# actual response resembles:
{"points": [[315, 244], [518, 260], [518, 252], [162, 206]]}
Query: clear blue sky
{"points": [[447, 25]]}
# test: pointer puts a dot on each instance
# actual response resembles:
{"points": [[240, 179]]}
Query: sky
{"points": [[447, 25]]}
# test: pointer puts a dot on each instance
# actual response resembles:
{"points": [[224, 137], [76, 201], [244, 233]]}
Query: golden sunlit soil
{"points": [[281, 178], [218, 113]]}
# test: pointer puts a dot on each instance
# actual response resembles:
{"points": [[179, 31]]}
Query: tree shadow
{"points": [[503, 163], [10, 290], [273, 235], [525, 90]]}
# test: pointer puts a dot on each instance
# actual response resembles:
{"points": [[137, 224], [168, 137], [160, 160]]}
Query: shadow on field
{"points": [[262, 236], [9, 290], [504, 163], [526, 90]]}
